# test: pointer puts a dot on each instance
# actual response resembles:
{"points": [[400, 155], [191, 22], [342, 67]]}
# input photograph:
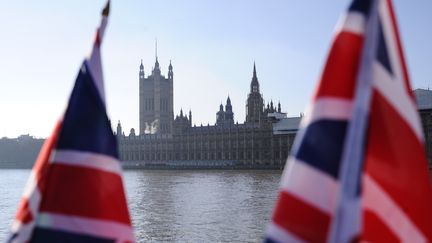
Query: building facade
{"points": [[156, 100], [263, 140]]}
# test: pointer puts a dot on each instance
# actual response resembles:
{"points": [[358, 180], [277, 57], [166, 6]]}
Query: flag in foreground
{"points": [[358, 169], [75, 191]]}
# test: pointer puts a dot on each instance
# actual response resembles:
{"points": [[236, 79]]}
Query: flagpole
{"points": [[94, 59], [346, 224]]}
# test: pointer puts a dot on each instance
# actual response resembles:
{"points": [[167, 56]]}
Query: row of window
{"points": [[218, 144], [141, 156], [150, 106]]}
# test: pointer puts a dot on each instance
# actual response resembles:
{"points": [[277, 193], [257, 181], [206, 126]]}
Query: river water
{"points": [[180, 206]]}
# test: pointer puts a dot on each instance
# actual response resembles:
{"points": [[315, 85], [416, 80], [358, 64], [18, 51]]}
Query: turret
{"points": [[141, 71], [229, 115], [190, 117], [220, 115], [119, 129], [132, 133], [228, 106], [170, 71]]}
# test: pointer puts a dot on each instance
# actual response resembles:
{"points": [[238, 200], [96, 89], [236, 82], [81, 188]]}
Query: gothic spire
{"points": [[157, 62], [141, 71], [170, 71], [254, 83], [190, 117]]}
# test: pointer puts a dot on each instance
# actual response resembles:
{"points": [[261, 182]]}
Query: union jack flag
{"points": [[358, 169], [75, 191]]}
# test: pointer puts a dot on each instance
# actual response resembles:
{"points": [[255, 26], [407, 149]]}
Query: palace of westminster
{"points": [[262, 141]]}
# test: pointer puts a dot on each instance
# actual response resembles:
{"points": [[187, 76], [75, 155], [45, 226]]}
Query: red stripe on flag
{"points": [[40, 168], [374, 230], [396, 159], [24, 214], [85, 192], [399, 49], [97, 39], [41, 165], [340, 72], [300, 218]]}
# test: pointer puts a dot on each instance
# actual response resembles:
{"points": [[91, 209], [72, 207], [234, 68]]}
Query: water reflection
{"points": [[201, 206]]}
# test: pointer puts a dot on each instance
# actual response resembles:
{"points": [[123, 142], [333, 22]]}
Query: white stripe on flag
{"points": [[352, 22], [391, 43], [311, 185], [87, 159], [94, 61], [31, 192], [376, 200], [281, 235], [328, 108], [23, 231], [81, 225], [395, 93]]}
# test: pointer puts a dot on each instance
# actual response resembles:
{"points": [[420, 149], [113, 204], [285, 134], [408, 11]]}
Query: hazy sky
{"points": [[212, 45]]}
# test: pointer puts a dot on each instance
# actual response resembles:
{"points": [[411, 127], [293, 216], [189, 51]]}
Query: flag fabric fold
{"points": [[75, 191], [358, 169]]}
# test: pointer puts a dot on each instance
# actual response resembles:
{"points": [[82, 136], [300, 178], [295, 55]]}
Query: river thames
{"points": [[180, 206]]}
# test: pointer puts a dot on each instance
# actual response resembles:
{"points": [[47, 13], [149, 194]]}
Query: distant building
{"points": [[19, 152], [424, 104], [262, 141]]}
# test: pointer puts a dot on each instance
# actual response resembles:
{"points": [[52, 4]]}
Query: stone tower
{"points": [[255, 103], [119, 129], [220, 115], [156, 100], [229, 115]]}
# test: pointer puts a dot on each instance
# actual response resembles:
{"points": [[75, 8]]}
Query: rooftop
{"points": [[423, 98], [287, 125]]}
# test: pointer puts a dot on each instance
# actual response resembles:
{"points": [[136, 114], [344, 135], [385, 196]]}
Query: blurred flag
{"points": [[358, 169], [75, 191]]}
